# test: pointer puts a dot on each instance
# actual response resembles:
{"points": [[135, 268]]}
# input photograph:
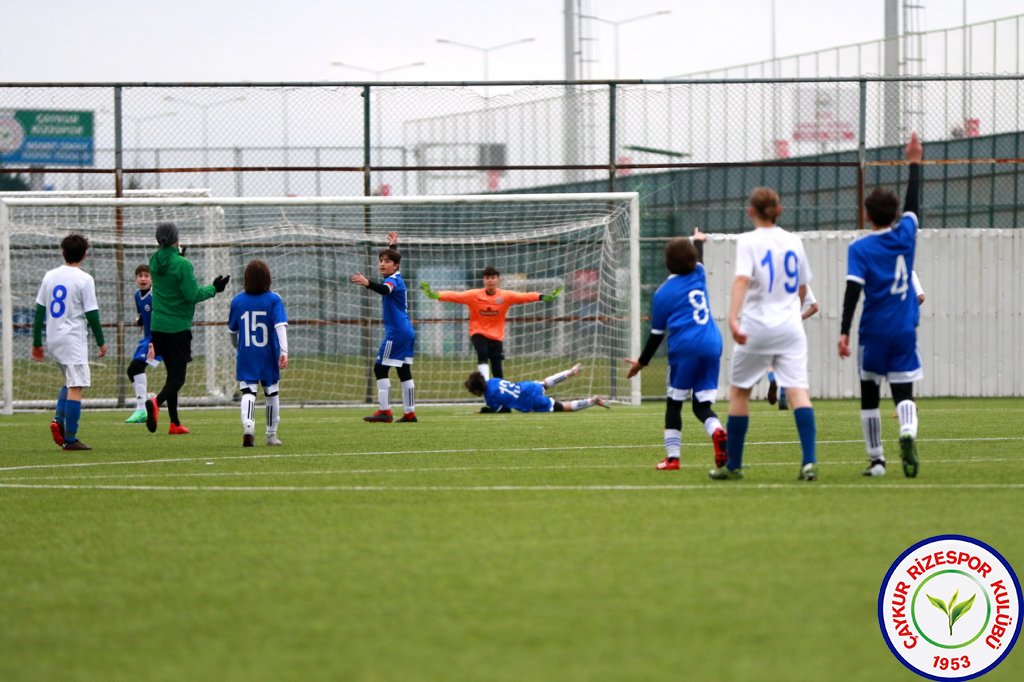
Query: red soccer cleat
{"points": [[668, 464], [57, 431], [152, 412], [177, 430], [383, 416], [721, 441]]}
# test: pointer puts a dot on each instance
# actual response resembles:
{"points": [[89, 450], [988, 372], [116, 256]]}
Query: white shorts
{"points": [[790, 368], [76, 376]]}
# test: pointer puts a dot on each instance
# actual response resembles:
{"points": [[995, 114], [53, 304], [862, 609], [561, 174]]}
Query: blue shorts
{"points": [[396, 351], [142, 350], [532, 398], [896, 358], [697, 376]]}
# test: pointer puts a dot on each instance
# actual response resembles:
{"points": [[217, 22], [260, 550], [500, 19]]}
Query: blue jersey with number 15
{"points": [[883, 263], [255, 318]]}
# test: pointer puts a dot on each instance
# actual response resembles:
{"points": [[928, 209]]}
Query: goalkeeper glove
{"points": [[220, 282], [430, 293], [548, 298]]}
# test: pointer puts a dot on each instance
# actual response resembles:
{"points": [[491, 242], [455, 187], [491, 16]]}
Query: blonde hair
{"points": [[765, 202]]}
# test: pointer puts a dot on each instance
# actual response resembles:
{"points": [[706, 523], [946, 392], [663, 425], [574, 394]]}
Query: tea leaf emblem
{"points": [[953, 611]]}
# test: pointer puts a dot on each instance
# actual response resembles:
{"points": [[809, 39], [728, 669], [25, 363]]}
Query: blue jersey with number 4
{"points": [[883, 263], [256, 318], [681, 308]]}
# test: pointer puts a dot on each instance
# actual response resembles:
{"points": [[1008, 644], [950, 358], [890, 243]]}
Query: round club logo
{"points": [[949, 608]]}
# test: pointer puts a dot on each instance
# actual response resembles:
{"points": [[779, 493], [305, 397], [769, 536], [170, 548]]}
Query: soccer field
{"points": [[479, 547]]}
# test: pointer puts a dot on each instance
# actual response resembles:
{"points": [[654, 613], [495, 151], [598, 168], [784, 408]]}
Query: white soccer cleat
{"points": [[575, 370], [273, 440], [875, 468]]}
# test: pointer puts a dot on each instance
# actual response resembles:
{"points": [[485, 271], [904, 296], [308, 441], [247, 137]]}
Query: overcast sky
{"points": [[262, 40]]}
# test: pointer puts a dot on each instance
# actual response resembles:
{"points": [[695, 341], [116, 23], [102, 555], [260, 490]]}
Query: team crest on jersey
{"points": [[949, 608], [499, 300]]}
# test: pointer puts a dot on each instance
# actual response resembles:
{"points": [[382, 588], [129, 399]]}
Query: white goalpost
{"points": [[586, 243]]}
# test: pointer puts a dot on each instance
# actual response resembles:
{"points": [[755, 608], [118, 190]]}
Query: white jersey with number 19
{"points": [[775, 263]]}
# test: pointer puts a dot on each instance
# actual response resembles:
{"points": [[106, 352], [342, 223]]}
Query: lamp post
{"points": [[204, 108], [486, 51], [616, 24], [377, 75]]}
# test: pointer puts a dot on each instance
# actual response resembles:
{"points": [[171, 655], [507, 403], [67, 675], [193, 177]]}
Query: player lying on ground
{"points": [[528, 396]]}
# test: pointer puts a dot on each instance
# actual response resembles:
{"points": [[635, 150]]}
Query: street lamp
{"points": [[485, 50], [377, 74], [616, 25], [204, 108]]}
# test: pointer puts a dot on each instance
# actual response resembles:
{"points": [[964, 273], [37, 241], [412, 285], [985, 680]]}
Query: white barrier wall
{"points": [[971, 322]]}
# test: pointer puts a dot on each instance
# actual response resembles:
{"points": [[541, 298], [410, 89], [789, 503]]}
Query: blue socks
{"points": [[62, 401], [771, 376], [72, 413], [805, 426], [737, 430]]}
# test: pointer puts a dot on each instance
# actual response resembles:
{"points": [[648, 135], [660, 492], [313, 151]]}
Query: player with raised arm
{"points": [[881, 264], [681, 309], [528, 396], [259, 327], [488, 308], [399, 343], [772, 274], [66, 305], [144, 355]]}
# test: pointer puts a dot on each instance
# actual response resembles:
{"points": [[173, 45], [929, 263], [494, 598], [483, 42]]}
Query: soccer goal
{"points": [[585, 243]]}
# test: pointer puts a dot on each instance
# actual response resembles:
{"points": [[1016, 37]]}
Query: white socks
{"points": [[558, 378], [139, 384], [871, 423], [248, 408], [712, 425], [273, 413], [673, 440], [384, 394], [408, 396], [907, 412], [484, 369]]}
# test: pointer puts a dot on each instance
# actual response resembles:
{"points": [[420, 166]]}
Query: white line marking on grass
{"points": [[520, 488], [691, 466]]}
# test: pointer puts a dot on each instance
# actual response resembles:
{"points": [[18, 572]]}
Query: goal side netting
{"points": [[587, 244]]}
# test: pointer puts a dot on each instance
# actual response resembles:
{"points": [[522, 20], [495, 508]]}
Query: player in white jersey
{"points": [[881, 264], [67, 303], [771, 280]]}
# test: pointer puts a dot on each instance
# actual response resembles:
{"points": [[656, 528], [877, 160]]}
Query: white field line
{"points": [[903, 487], [696, 466], [452, 451]]}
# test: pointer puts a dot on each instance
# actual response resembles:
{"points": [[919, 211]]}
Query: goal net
{"points": [[585, 243]]}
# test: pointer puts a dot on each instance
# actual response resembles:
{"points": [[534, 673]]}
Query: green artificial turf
{"points": [[478, 547]]}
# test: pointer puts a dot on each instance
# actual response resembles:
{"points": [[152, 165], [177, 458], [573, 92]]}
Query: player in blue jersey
{"points": [[772, 275], [881, 264], [681, 308], [528, 396], [399, 342], [144, 355], [259, 328]]}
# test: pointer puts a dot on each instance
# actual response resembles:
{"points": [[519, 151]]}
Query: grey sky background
{"points": [[262, 40]]}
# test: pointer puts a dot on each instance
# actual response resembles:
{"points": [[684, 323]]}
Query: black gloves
{"points": [[220, 282]]}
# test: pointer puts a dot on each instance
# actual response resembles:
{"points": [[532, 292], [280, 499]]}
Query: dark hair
{"points": [[74, 247], [391, 254], [765, 202], [476, 384], [257, 277], [491, 271], [166, 234], [141, 269], [882, 207], [681, 256]]}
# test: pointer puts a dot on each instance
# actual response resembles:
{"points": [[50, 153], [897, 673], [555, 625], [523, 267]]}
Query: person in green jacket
{"points": [[175, 294]]}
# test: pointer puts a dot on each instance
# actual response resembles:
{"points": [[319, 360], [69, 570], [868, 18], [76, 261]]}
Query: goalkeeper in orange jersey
{"points": [[488, 308]]}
